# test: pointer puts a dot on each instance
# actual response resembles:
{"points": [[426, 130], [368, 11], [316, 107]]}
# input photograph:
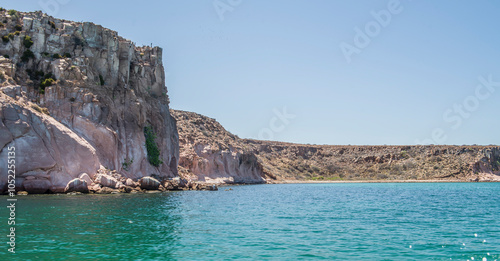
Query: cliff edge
{"points": [[77, 98]]}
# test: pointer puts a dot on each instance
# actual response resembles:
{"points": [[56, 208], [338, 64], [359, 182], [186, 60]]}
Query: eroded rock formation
{"points": [[210, 153], [80, 97]]}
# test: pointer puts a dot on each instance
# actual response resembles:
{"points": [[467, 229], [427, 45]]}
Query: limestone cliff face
{"points": [[105, 91], [209, 153]]}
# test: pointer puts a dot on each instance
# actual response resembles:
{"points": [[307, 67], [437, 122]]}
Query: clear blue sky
{"points": [[401, 88]]}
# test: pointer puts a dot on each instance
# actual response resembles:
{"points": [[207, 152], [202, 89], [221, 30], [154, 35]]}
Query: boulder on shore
{"points": [[77, 185], [107, 181], [149, 183], [129, 182]]}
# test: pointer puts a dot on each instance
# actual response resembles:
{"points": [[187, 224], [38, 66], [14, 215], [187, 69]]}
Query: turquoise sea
{"points": [[356, 221]]}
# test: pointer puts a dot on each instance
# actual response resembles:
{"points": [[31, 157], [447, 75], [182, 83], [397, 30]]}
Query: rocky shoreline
{"points": [[151, 185], [111, 182]]}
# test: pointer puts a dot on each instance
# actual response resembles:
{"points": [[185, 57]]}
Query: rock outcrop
{"points": [[77, 185], [209, 153], [149, 183], [106, 181], [77, 98], [324, 162], [48, 154]]}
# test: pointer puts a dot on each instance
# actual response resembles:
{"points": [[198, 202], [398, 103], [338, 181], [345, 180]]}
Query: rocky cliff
{"points": [[76, 98], [210, 153], [83, 106]]}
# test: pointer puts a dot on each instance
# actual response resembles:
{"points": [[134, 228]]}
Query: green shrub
{"points": [[56, 56], [17, 33], [52, 24], [6, 56], [1, 24], [46, 83], [46, 54], [11, 35], [18, 27], [67, 55], [27, 55], [2, 9], [151, 147], [126, 164], [27, 41], [5, 38], [12, 12], [101, 80]]}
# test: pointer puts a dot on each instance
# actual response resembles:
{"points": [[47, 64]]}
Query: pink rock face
{"points": [[100, 102], [47, 152], [217, 158]]}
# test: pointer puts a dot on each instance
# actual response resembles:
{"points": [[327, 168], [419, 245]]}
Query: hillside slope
{"points": [[209, 153]]}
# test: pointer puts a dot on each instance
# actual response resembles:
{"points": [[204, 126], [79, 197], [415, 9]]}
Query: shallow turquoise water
{"points": [[438, 221]]}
